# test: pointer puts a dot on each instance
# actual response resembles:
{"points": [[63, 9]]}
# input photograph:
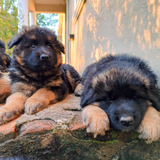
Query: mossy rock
{"points": [[77, 145]]}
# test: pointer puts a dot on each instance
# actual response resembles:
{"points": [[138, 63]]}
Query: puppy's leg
{"points": [[39, 100], [149, 128], [70, 76], [5, 89], [95, 120], [13, 108], [78, 90]]}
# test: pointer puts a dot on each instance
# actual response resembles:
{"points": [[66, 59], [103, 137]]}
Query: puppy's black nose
{"points": [[126, 120], [44, 57]]}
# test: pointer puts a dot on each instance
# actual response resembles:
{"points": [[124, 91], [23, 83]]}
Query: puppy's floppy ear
{"points": [[90, 96], [15, 41], [154, 97], [2, 44], [60, 47], [8, 60], [2, 47], [17, 38]]}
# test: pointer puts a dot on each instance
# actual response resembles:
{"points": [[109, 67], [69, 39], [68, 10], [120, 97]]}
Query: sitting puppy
{"points": [[38, 77], [5, 60], [117, 92]]}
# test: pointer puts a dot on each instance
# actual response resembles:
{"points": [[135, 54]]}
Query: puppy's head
{"points": [[4, 58], [126, 114], [37, 49], [124, 106]]}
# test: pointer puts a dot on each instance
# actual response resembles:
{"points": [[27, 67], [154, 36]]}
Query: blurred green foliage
{"points": [[46, 19], [8, 21]]}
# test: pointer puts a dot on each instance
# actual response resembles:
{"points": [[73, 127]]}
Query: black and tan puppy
{"points": [[5, 60], [123, 88], [38, 77]]}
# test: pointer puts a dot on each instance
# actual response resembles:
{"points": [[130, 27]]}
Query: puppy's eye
{"points": [[49, 46], [112, 98], [33, 46]]}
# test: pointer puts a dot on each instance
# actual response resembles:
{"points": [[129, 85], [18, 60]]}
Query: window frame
{"points": [[78, 7]]}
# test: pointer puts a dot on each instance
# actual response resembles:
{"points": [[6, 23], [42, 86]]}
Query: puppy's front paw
{"points": [[7, 115], [149, 128], [95, 120], [34, 105]]}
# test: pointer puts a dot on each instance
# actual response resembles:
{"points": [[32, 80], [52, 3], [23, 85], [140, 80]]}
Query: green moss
{"points": [[54, 129], [134, 135], [63, 145], [114, 134], [112, 142]]}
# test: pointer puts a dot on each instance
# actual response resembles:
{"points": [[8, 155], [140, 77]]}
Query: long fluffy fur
{"points": [[124, 86], [38, 77]]}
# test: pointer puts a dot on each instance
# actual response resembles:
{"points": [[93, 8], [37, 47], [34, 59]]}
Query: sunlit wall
{"points": [[115, 27]]}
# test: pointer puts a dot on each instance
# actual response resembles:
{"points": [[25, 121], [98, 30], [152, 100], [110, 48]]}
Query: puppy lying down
{"points": [[120, 92]]}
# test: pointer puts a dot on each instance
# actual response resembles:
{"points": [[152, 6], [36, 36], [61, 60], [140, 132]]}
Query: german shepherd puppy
{"points": [[5, 60], [117, 92], [38, 77]]}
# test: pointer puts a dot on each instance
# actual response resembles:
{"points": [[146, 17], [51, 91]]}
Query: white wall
{"points": [[23, 12], [32, 18], [116, 26]]}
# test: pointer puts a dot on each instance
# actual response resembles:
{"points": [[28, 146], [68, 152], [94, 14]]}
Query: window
{"points": [[78, 7]]}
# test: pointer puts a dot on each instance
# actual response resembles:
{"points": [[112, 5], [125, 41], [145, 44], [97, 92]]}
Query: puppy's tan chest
{"points": [[26, 89]]}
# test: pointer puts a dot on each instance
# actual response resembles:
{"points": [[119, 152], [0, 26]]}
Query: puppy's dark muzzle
{"points": [[44, 57], [126, 120]]}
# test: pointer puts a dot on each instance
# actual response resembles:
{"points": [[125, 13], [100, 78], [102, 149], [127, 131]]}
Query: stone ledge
{"points": [[61, 144], [58, 133], [59, 114], [36, 126], [7, 131]]}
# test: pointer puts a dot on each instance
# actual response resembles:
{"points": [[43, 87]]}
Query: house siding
{"points": [[115, 27]]}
